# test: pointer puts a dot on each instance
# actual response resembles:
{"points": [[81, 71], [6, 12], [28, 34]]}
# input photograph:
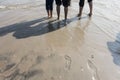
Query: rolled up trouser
{"points": [[81, 3], [49, 4], [65, 3]]}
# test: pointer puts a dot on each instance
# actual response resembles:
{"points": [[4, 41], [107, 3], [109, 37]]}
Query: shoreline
{"points": [[34, 47]]}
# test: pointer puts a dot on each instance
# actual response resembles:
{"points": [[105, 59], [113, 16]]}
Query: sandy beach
{"points": [[33, 47]]}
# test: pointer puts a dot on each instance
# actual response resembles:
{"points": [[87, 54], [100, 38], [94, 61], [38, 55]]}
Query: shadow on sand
{"points": [[34, 28], [114, 48]]}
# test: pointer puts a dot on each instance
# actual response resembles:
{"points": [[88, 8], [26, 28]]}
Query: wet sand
{"points": [[33, 47]]}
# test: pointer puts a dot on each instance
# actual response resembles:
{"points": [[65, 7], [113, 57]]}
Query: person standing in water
{"points": [[49, 7], [81, 5], [65, 3]]}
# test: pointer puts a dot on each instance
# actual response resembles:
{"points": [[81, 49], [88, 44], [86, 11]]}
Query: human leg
{"points": [[58, 3], [66, 3], [91, 7], [81, 5]]}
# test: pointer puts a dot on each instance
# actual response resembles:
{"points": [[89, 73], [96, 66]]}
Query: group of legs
{"points": [[49, 7], [66, 3]]}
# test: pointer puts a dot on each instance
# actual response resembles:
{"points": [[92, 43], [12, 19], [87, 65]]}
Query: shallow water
{"points": [[14, 2], [106, 11]]}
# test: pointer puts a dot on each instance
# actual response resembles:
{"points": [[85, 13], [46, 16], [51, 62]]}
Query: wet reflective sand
{"points": [[33, 47]]}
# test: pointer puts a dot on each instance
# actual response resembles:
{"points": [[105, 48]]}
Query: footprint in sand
{"points": [[22, 70], [68, 62], [93, 70], [7, 67]]}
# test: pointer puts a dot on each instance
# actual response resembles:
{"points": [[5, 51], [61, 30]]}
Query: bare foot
{"points": [[90, 14], [79, 18], [49, 17], [78, 15]]}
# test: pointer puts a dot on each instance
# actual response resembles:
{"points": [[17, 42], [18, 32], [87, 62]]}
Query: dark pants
{"points": [[81, 3], [49, 4], [65, 3]]}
